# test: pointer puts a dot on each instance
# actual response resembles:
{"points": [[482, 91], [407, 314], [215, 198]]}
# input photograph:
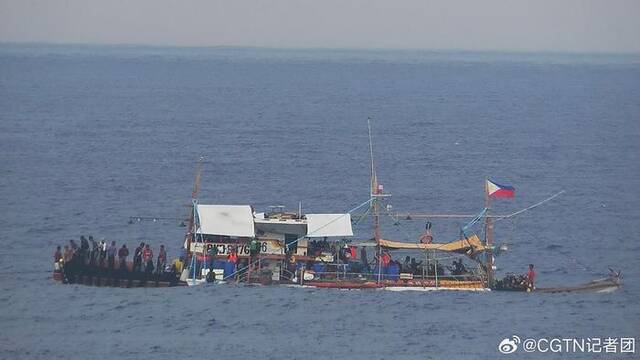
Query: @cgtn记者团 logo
{"points": [[509, 345]]}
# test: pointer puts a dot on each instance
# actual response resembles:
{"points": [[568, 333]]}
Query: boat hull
{"points": [[401, 285]]}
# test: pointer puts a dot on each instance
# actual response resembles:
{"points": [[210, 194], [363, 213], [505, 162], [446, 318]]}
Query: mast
{"points": [[375, 205], [189, 237], [375, 190], [488, 233]]}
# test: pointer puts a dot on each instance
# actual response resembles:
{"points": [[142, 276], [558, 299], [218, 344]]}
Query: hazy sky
{"points": [[555, 25]]}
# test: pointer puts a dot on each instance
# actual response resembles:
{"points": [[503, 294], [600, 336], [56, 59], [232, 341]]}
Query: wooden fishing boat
{"points": [[289, 250], [236, 244], [604, 285]]}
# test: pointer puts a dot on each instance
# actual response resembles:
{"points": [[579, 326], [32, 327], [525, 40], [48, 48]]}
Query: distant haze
{"points": [[540, 25]]}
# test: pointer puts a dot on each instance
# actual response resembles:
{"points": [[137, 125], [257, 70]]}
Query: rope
{"points": [[362, 216], [580, 265], [498, 218], [475, 220]]}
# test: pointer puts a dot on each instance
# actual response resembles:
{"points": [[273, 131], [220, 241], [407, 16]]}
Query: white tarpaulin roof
{"points": [[227, 220], [321, 225]]}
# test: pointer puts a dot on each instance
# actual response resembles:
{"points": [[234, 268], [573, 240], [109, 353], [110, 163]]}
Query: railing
{"points": [[435, 280]]}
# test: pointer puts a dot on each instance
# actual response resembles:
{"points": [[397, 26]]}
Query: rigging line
{"points": [[409, 238], [362, 216], [473, 222], [528, 208], [397, 221], [579, 264]]}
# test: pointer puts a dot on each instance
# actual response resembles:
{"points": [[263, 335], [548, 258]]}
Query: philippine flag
{"points": [[500, 191]]}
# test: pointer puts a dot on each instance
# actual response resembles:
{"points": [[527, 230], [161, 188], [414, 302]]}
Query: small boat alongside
{"points": [[78, 271]]}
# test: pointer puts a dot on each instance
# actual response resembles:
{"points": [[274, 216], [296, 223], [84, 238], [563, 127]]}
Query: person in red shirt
{"points": [[147, 258], [233, 257], [386, 259], [531, 277]]}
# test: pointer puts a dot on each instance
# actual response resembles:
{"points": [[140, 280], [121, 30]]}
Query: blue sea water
{"points": [[92, 135]]}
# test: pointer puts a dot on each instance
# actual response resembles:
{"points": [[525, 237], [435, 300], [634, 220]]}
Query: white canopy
{"points": [[321, 225], [226, 220]]}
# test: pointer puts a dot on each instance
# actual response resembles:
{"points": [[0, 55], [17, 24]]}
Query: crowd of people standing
{"points": [[94, 255]]}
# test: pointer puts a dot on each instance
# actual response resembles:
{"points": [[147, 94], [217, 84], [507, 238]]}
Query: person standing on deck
{"points": [[212, 252], [363, 258], [531, 277], [122, 256], [427, 236], [93, 255], [57, 256], [406, 265], [111, 255], [137, 258], [254, 250], [162, 260], [102, 249], [84, 248], [67, 254], [233, 256], [73, 246], [147, 258]]}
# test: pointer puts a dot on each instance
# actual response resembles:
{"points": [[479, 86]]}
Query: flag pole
{"points": [[488, 233], [374, 203]]}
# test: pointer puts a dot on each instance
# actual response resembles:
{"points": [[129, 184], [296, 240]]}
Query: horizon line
{"points": [[323, 48]]}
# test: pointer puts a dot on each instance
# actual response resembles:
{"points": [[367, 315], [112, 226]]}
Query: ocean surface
{"points": [[93, 135]]}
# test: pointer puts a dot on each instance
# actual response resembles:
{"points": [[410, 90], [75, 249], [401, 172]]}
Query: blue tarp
{"points": [[393, 271], [229, 268], [319, 268]]}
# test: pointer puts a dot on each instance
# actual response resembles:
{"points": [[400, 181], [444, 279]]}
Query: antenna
{"points": [[374, 179]]}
